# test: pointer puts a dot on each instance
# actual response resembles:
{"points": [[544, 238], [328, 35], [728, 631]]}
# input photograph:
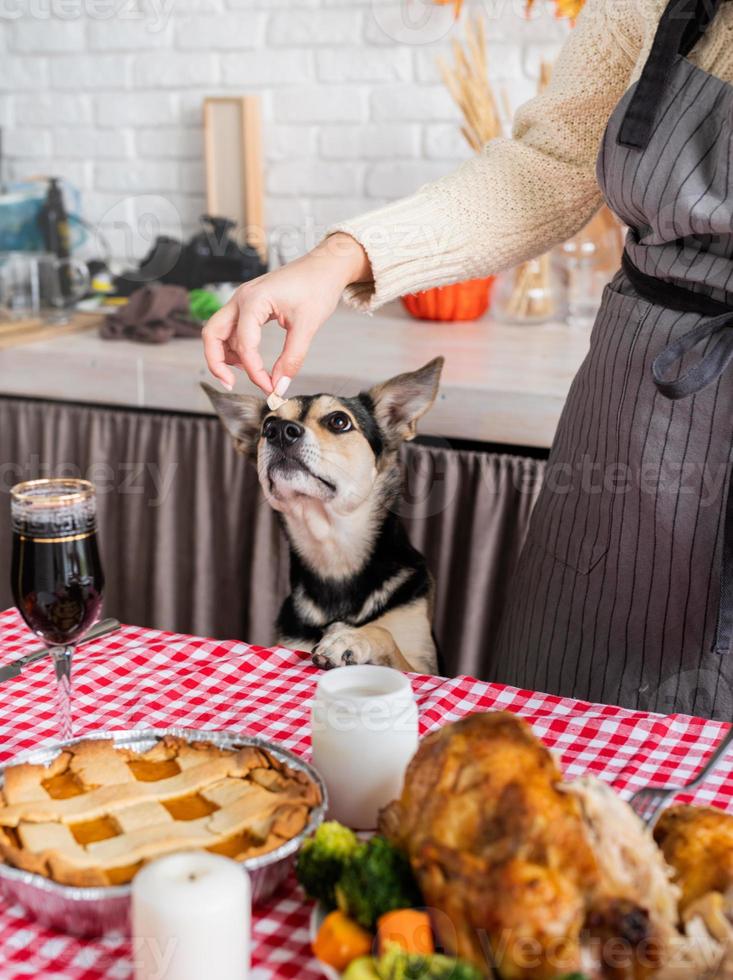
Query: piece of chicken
{"points": [[697, 843], [629, 859], [629, 856], [504, 855]]}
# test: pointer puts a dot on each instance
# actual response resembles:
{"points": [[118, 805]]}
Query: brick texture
{"points": [[108, 93]]}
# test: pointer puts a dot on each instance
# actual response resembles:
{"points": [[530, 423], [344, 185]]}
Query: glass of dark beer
{"points": [[57, 577]]}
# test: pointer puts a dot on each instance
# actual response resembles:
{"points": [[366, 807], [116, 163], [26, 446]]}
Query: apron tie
{"points": [[703, 373], [707, 370]]}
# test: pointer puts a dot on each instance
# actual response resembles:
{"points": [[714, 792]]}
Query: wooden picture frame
{"points": [[234, 165]]}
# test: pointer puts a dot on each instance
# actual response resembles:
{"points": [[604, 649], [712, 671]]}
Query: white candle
{"points": [[364, 728], [191, 918]]}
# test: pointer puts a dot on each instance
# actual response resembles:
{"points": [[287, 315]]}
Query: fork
{"points": [[648, 802]]}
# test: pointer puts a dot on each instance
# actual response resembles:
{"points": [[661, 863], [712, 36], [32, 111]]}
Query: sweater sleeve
{"points": [[520, 196]]}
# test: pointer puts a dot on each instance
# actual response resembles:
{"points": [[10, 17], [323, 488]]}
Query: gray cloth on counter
{"points": [[189, 544], [153, 314]]}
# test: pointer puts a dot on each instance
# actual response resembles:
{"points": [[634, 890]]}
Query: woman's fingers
{"points": [[247, 346], [232, 337], [297, 341], [216, 335], [299, 296], [231, 357]]}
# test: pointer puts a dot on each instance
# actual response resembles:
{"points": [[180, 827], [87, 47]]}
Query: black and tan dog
{"points": [[360, 592]]}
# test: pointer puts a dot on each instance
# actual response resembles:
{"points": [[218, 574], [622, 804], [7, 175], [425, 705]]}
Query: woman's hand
{"points": [[300, 296]]}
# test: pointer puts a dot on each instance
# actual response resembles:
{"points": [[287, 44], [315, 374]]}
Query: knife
{"points": [[13, 669]]}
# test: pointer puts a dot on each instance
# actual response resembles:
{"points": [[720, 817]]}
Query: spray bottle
{"points": [[54, 224]]}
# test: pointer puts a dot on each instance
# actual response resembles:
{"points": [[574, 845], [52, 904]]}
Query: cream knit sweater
{"points": [[523, 195]]}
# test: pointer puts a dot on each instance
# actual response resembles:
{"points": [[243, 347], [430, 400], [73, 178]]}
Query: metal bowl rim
{"points": [[44, 754]]}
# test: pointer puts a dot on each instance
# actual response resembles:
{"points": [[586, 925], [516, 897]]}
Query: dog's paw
{"points": [[342, 646]]}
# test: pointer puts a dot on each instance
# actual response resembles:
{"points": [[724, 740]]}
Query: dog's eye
{"points": [[338, 422]]}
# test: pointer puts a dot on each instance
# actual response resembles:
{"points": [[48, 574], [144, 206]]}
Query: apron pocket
{"points": [[573, 522]]}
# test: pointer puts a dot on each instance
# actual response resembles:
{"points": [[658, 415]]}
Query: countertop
{"points": [[501, 383]]}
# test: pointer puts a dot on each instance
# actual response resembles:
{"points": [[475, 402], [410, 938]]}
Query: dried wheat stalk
{"points": [[468, 83], [467, 80]]}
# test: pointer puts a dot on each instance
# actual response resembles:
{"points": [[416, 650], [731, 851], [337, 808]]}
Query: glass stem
{"points": [[62, 664]]}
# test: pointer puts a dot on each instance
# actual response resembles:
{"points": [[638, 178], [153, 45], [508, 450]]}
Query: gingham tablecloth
{"points": [[141, 678]]}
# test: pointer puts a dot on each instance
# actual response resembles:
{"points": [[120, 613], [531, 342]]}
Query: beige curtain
{"points": [[189, 544]]}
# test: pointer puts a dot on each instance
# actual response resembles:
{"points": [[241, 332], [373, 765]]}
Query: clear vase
{"points": [[530, 293], [589, 261]]}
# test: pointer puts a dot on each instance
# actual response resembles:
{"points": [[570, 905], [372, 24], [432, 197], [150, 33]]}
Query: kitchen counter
{"points": [[501, 384]]}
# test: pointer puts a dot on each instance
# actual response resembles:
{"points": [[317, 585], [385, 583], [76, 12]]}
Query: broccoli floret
{"points": [[377, 878], [395, 964], [322, 858]]}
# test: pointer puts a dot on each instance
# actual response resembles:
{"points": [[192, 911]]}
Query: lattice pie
{"points": [[98, 812]]}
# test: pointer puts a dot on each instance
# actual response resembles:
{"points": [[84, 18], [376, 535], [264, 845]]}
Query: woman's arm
{"points": [[520, 196], [514, 201]]}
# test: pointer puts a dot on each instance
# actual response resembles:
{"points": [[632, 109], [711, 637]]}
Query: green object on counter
{"points": [[203, 303]]}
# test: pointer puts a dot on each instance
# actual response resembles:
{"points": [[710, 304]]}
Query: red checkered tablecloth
{"points": [[141, 678]]}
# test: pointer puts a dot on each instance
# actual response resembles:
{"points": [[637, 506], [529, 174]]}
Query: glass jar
{"points": [[530, 293], [590, 260], [364, 725]]}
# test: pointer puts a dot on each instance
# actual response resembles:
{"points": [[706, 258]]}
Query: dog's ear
{"points": [[241, 415], [401, 402]]}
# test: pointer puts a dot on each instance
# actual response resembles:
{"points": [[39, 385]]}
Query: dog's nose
{"points": [[282, 432], [291, 432]]}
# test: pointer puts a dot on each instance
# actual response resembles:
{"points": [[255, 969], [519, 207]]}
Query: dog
{"points": [[360, 593]]}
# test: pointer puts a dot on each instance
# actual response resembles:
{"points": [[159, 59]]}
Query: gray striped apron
{"points": [[624, 589]]}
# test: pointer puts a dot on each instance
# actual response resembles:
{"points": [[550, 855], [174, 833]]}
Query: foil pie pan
{"points": [[95, 911]]}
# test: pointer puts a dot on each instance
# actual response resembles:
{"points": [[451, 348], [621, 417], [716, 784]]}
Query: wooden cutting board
{"points": [[14, 333]]}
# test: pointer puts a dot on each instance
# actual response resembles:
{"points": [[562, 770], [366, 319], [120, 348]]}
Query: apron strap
{"points": [[682, 25], [708, 368]]}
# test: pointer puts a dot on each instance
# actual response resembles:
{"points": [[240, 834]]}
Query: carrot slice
{"points": [[408, 928], [341, 940]]}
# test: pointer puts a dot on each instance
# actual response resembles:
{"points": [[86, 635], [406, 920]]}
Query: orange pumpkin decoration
{"points": [[460, 301]]}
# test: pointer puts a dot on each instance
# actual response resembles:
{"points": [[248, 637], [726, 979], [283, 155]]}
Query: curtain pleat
{"points": [[189, 543]]}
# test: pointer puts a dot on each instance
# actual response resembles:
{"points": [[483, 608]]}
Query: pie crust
{"points": [[98, 812]]}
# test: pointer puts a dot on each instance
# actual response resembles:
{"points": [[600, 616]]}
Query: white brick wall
{"points": [[108, 94]]}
